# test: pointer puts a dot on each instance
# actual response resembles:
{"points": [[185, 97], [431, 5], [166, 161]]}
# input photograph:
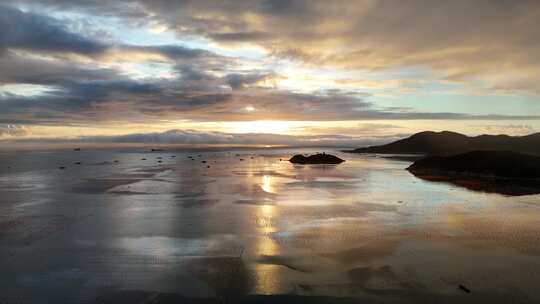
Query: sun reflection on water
{"points": [[267, 184], [266, 276]]}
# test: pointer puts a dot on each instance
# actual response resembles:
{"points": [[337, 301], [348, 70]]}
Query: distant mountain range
{"points": [[449, 143]]}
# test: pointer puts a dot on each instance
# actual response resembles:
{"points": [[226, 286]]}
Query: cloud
{"points": [[20, 69], [39, 33], [88, 79], [173, 52], [462, 40], [200, 99], [193, 137], [516, 129], [241, 36], [365, 130], [238, 81], [45, 35], [7, 130]]}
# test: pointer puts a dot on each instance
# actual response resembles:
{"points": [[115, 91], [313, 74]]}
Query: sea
{"points": [[244, 225]]}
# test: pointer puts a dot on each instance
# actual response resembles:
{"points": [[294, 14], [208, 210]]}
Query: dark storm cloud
{"points": [[17, 69], [238, 81], [172, 51], [284, 6], [191, 74], [115, 90], [38, 33], [71, 102], [241, 36]]}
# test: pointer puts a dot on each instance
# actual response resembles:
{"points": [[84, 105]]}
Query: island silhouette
{"points": [[503, 164], [502, 172], [450, 143], [319, 158]]}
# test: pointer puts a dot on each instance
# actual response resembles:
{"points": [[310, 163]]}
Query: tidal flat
{"points": [[246, 226]]}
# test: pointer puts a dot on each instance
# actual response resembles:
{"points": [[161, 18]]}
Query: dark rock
{"points": [[489, 171], [62, 168], [77, 149], [464, 288], [503, 164], [320, 158]]}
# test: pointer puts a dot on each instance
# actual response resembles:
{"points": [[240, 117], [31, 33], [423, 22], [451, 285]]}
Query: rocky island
{"points": [[319, 158], [503, 172]]}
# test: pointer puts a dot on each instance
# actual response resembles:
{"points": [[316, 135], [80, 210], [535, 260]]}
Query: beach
{"points": [[128, 225]]}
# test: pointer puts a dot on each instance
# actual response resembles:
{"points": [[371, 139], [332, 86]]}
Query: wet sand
{"points": [[259, 230]]}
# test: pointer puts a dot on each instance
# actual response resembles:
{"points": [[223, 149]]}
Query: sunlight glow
{"points": [[267, 184], [263, 126], [266, 276]]}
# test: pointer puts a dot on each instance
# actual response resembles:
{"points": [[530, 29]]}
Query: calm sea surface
{"points": [[233, 223]]}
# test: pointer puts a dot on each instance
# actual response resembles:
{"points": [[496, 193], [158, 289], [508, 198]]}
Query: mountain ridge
{"points": [[449, 143]]}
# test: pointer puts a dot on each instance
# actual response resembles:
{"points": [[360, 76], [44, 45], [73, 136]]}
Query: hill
{"points": [[449, 143], [502, 164], [492, 171]]}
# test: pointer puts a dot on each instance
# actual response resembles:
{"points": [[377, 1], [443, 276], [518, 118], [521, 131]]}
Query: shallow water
{"points": [[365, 229]]}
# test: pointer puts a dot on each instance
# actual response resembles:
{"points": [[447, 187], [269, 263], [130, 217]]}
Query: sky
{"points": [[266, 71]]}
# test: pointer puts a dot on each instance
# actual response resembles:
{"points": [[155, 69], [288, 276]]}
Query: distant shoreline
{"points": [[164, 147]]}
